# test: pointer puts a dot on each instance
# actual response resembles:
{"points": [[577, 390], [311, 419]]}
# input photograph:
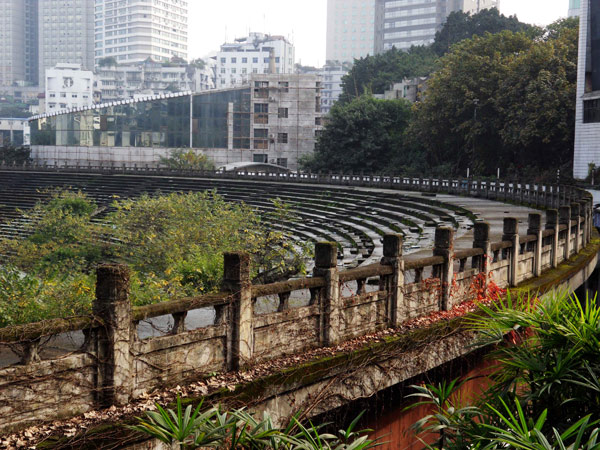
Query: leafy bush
{"points": [[546, 389], [238, 429], [173, 243], [187, 159]]}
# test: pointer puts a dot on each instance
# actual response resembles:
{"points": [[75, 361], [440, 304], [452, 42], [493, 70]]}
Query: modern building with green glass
{"points": [[274, 119]]}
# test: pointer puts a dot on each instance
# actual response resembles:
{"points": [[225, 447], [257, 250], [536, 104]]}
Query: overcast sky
{"points": [[305, 22]]}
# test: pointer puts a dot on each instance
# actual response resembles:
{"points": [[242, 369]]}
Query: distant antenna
{"points": [[226, 34]]}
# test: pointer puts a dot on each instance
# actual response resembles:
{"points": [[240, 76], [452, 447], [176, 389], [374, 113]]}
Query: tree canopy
{"points": [[460, 26], [375, 74], [362, 135], [501, 100]]}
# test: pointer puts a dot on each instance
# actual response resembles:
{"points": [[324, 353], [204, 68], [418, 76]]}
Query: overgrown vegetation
{"points": [[186, 159], [173, 243], [545, 391], [239, 429]]}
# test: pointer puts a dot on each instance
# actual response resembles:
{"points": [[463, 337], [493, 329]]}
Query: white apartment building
{"points": [[67, 87], [66, 34], [404, 23], [257, 53], [350, 29], [18, 42], [123, 82], [134, 30]]}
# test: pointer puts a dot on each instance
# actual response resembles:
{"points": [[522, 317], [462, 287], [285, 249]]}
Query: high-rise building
{"points": [[18, 42], [136, 30], [350, 29], [587, 112], [404, 23], [256, 54], [574, 8], [66, 34]]}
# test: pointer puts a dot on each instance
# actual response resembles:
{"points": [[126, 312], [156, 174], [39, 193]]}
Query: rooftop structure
{"points": [[122, 82], [257, 53], [574, 8], [68, 86]]}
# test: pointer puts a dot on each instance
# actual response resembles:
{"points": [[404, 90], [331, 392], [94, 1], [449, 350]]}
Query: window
{"points": [[261, 138], [223, 70], [261, 89], [591, 111], [282, 138], [261, 113], [282, 162], [284, 86], [244, 60], [282, 113], [260, 158], [233, 70], [318, 121], [255, 60], [266, 60], [233, 60], [223, 60]]}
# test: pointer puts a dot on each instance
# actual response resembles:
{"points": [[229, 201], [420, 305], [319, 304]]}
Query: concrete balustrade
{"points": [[115, 366]]}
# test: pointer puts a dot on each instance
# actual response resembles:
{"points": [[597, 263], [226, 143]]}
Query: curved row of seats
{"points": [[355, 218]]}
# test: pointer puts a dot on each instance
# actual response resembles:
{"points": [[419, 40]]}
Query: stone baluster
{"points": [[394, 283], [240, 329], [552, 224], [565, 219], [511, 233], [575, 216], [534, 227], [331, 308], [113, 339], [482, 241], [444, 247]]}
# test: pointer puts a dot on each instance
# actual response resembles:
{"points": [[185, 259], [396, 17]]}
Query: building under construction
{"points": [[275, 119]]}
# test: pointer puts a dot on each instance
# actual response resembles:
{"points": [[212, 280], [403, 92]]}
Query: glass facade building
{"points": [[216, 118]]}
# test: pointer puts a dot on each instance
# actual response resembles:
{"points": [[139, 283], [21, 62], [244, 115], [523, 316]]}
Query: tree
{"points": [[501, 100], [460, 26], [375, 74], [362, 135], [187, 159]]}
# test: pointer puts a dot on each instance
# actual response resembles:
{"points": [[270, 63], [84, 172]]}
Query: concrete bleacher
{"points": [[356, 219]]}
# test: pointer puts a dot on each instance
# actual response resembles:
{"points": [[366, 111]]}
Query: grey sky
{"points": [[304, 22]]}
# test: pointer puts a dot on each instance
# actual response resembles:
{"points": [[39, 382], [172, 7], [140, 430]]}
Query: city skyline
{"points": [[306, 24]]}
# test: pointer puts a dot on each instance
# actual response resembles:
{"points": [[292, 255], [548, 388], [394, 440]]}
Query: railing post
{"points": [[482, 241], [575, 215], [330, 300], [565, 219], [113, 339], [394, 284], [444, 247], [552, 224], [590, 220], [511, 233], [534, 227], [240, 330]]}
